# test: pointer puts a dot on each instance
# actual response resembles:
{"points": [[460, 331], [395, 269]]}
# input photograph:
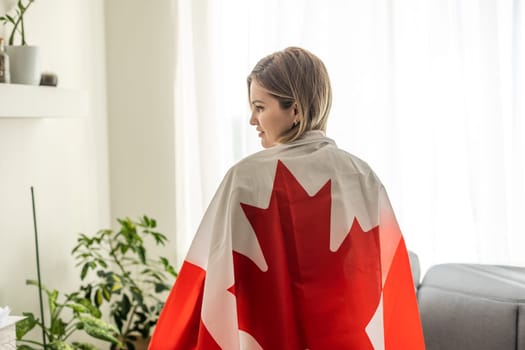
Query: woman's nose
{"points": [[253, 119]]}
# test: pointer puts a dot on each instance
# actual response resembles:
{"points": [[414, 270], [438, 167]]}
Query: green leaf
{"points": [[84, 346], [25, 347], [25, 325], [116, 278], [85, 270], [141, 317], [97, 322], [137, 295], [58, 327], [35, 283], [116, 287], [87, 291], [118, 321], [124, 249], [102, 263], [172, 271], [142, 254], [99, 329], [106, 293], [79, 308], [148, 222], [160, 287], [11, 19], [93, 310], [125, 305], [98, 297], [72, 296], [52, 299], [160, 238], [61, 345]]}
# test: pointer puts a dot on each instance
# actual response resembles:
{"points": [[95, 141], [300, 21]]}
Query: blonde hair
{"points": [[296, 76]]}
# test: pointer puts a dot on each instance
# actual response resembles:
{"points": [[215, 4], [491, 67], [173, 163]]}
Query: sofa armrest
{"points": [[468, 306]]}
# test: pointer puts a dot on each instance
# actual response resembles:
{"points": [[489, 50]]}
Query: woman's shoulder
{"points": [[357, 163]]}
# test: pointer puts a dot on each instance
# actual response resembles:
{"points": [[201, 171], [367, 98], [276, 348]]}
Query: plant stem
{"points": [[30, 341], [38, 268], [124, 272], [131, 314], [12, 36], [70, 331], [18, 21], [44, 329], [59, 307], [23, 30], [115, 259], [119, 264]]}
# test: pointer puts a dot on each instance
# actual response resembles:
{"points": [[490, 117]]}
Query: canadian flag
{"points": [[299, 249]]}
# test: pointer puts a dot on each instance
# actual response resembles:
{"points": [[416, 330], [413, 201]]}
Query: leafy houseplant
{"points": [[122, 274], [82, 316], [17, 21]]}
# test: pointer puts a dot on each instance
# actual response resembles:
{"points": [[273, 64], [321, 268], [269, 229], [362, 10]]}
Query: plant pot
{"points": [[141, 344], [25, 64]]}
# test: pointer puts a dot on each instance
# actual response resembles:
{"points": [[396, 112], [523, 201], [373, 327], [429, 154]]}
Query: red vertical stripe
{"points": [[180, 320], [401, 316]]}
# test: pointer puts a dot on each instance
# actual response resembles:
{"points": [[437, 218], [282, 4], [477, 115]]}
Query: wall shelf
{"points": [[28, 101]]}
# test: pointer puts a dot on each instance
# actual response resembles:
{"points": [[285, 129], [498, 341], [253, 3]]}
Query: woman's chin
{"points": [[265, 142]]}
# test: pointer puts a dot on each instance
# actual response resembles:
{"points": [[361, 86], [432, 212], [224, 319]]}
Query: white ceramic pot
{"points": [[25, 64]]}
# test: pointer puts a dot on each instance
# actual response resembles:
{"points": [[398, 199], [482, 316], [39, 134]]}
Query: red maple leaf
{"points": [[310, 297]]}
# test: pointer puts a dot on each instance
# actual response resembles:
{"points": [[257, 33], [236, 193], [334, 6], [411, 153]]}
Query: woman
{"points": [[299, 248]]}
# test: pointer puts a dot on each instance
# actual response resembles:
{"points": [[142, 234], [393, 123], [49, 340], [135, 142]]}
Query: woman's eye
{"points": [[259, 108]]}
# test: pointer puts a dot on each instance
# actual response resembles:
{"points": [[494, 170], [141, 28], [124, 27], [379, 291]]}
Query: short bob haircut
{"points": [[296, 76]]}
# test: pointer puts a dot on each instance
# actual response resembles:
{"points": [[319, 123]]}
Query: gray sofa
{"points": [[471, 306]]}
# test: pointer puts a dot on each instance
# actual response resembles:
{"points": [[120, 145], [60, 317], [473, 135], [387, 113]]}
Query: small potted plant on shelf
{"points": [[24, 58], [118, 271]]}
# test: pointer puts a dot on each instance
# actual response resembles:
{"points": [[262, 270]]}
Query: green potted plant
{"points": [[118, 271], [68, 315], [24, 58]]}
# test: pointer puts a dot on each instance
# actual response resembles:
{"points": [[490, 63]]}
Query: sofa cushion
{"points": [[467, 306]]}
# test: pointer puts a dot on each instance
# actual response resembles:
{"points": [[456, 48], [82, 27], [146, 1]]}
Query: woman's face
{"points": [[271, 121]]}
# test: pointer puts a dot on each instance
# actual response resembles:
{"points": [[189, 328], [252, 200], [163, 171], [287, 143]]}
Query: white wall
{"points": [[140, 69], [64, 159]]}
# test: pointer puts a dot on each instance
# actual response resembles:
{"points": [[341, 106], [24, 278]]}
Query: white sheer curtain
{"points": [[429, 93]]}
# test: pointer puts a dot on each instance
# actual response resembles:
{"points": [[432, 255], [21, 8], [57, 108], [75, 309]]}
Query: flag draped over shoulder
{"points": [[299, 249]]}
